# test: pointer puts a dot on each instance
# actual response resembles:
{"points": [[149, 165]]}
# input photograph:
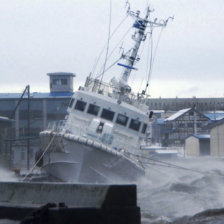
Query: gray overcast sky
{"points": [[41, 36]]}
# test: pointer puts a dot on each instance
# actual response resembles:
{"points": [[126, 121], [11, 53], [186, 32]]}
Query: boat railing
{"points": [[56, 125], [97, 86]]}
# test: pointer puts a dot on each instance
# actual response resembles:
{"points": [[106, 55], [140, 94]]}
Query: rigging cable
{"points": [[97, 61], [133, 77], [107, 50], [49, 144], [97, 76], [152, 57], [119, 42], [151, 61], [106, 69], [147, 65], [147, 2]]}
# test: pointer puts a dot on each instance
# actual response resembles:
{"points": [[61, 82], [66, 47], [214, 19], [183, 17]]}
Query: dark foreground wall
{"points": [[69, 203]]}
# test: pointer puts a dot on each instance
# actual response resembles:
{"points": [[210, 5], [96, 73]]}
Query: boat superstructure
{"points": [[106, 125], [99, 133]]}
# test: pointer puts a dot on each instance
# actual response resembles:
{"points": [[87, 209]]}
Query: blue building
{"points": [[44, 107], [5, 127], [22, 139]]}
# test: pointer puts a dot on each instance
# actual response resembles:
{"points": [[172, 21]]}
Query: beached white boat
{"points": [[106, 125]]}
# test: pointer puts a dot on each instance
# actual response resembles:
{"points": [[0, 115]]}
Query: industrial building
{"points": [[176, 104], [183, 123], [5, 130], [44, 107], [33, 113]]}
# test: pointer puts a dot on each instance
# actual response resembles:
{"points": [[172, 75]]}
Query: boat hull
{"points": [[81, 160]]}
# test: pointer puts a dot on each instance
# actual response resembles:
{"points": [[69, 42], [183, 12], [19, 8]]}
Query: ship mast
{"points": [[138, 37], [140, 25]]}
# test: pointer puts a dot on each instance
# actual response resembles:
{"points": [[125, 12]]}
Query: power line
{"points": [[97, 76]]}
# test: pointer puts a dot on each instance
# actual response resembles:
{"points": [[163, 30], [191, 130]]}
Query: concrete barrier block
{"points": [[61, 203]]}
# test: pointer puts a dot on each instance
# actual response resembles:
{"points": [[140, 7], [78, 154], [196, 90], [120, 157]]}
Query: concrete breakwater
{"points": [[68, 203]]}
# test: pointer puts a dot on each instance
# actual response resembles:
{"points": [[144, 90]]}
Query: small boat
{"points": [[107, 123]]}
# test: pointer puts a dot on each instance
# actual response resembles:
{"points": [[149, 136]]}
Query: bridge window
{"points": [[80, 105], [122, 119], [135, 124], [144, 127], [71, 102], [107, 114], [93, 109]]}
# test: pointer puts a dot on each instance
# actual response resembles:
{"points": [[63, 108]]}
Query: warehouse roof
{"points": [[202, 136], [61, 74], [220, 122], [178, 114], [215, 116], [5, 119]]}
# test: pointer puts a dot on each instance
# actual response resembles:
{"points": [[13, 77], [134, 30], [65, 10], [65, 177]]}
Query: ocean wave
{"points": [[210, 216], [172, 195]]}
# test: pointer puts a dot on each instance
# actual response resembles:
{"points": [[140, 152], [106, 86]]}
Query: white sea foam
{"points": [[168, 193], [7, 175]]}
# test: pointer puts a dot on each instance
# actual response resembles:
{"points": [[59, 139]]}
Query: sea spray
{"points": [[7, 175], [166, 193]]}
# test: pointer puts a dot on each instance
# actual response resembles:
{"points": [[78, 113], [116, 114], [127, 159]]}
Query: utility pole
{"points": [[28, 127], [195, 120], [27, 89]]}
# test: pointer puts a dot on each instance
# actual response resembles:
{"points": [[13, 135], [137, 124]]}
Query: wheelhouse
{"points": [[123, 116]]}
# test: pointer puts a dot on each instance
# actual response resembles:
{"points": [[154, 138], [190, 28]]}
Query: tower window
{"points": [[60, 82], [64, 81]]}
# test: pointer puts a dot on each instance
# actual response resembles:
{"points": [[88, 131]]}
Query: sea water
{"points": [[174, 195]]}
